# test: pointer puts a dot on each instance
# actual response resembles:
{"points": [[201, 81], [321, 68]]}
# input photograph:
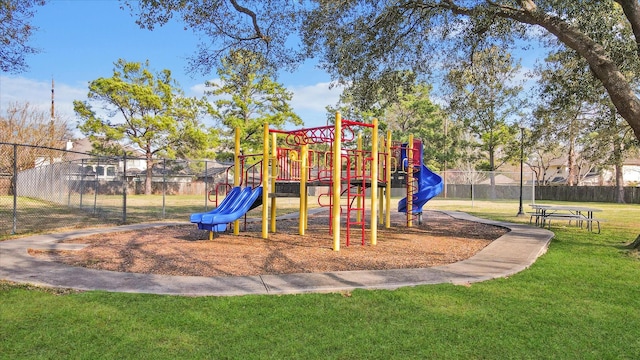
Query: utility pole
{"points": [[52, 101]]}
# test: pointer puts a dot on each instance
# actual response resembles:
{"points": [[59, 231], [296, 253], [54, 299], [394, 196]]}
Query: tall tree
{"points": [[610, 144], [566, 94], [248, 98], [574, 108], [146, 111], [485, 97], [364, 41], [23, 123], [416, 113], [541, 153], [15, 31], [410, 111]]}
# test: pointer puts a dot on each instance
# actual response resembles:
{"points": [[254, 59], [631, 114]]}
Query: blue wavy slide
{"points": [[233, 207], [429, 184], [226, 202]]}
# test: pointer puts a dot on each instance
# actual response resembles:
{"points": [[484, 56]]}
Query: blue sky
{"points": [[80, 41]]}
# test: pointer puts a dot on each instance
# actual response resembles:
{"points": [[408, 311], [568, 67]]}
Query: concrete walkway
{"points": [[507, 255]]}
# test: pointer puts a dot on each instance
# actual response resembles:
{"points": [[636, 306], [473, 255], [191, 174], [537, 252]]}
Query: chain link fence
{"points": [[44, 189], [489, 185]]}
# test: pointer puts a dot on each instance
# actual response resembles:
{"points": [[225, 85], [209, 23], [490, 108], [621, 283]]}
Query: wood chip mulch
{"points": [[185, 250]]}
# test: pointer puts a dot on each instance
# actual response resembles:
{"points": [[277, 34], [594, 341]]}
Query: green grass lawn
{"points": [[578, 301]]}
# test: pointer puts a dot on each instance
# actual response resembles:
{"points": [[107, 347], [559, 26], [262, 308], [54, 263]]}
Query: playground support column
{"points": [[303, 189], [236, 175], [380, 191], [410, 181], [274, 174], [337, 162], [359, 168], [381, 205], [387, 222], [374, 184], [265, 182]]}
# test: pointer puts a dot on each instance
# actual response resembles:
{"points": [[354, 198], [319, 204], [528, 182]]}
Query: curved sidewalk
{"points": [[507, 255]]}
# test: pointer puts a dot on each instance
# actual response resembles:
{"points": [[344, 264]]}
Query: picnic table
{"points": [[582, 215]]}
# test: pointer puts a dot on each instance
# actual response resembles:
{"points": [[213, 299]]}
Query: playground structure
{"points": [[319, 157]]}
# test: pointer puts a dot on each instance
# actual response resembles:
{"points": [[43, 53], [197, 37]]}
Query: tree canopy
{"points": [[267, 27], [248, 97], [369, 43], [366, 42], [147, 111], [575, 112], [15, 31], [484, 95], [22, 123]]}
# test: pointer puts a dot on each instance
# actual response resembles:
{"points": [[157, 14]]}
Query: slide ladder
{"points": [[412, 188], [429, 184]]}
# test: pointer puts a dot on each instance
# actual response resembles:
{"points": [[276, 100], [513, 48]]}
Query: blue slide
{"points": [[226, 202], [429, 186], [242, 201]]}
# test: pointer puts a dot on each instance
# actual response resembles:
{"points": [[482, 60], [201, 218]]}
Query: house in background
{"points": [[500, 179], [588, 174], [630, 173], [185, 177], [108, 169]]}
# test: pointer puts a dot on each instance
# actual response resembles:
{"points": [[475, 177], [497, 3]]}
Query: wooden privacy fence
{"points": [[587, 193]]}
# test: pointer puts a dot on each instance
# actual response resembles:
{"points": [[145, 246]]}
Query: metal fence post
{"points": [[164, 185], [473, 175], [95, 191], [15, 189], [82, 181]]}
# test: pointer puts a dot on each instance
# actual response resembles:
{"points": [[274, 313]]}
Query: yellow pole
{"points": [[374, 184], [410, 182], [236, 174], [337, 161], [380, 193], [303, 189], [388, 184], [381, 205], [274, 174], [265, 182], [359, 165]]}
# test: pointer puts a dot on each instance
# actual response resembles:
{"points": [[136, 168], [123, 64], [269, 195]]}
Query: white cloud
{"points": [[315, 97], [38, 94], [199, 90]]}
